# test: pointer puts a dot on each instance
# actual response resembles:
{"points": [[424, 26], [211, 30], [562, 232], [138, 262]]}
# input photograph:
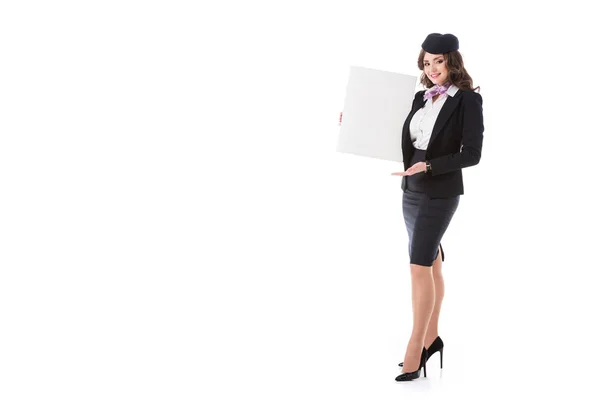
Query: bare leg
{"points": [[438, 280], [423, 300]]}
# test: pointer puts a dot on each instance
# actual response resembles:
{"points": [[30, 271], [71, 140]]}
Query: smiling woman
{"points": [[442, 134]]}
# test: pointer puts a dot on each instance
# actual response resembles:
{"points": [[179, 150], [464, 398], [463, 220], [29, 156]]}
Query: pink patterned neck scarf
{"points": [[437, 89]]}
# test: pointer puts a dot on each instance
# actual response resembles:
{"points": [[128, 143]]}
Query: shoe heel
{"points": [[441, 358]]}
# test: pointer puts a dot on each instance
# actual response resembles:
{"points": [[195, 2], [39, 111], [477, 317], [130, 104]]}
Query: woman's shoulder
{"points": [[420, 94], [418, 99], [471, 95]]}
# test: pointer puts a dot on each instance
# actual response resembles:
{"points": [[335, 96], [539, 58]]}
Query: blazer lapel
{"points": [[445, 113], [406, 128]]}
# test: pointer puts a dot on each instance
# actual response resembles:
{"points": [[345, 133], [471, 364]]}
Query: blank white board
{"points": [[375, 108]]}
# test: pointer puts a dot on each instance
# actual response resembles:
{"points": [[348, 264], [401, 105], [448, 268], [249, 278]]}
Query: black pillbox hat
{"points": [[436, 43]]}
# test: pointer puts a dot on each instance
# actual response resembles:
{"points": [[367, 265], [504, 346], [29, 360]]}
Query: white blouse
{"points": [[421, 124]]}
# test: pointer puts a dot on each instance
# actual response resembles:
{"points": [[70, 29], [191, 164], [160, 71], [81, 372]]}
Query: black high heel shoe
{"points": [[409, 376], [437, 345]]}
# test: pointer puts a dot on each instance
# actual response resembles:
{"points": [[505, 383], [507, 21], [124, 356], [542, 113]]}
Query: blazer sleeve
{"points": [[472, 138]]}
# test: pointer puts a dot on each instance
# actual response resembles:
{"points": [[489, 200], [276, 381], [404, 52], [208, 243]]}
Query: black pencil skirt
{"points": [[426, 218]]}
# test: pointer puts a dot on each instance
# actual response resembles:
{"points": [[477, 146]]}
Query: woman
{"points": [[442, 134]]}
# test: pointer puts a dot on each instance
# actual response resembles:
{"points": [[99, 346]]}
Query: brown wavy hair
{"points": [[457, 73]]}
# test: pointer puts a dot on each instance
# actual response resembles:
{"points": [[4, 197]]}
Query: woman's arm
{"points": [[472, 139]]}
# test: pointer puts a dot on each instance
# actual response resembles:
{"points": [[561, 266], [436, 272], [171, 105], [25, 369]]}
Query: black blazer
{"points": [[455, 143]]}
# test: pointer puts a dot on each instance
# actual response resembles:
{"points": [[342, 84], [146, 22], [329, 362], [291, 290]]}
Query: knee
{"points": [[420, 270]]}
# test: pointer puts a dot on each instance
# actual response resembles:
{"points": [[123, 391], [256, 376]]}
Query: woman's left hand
{"points": [[418, 167]]}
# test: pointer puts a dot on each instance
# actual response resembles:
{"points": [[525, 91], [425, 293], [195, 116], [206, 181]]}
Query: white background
{"points": [[176, 224]]}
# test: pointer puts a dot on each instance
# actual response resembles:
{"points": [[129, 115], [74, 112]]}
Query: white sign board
{"points": [[376, 106]]}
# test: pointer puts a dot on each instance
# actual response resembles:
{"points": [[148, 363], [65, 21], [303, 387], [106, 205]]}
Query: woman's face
{"points": [[434, 66]]}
